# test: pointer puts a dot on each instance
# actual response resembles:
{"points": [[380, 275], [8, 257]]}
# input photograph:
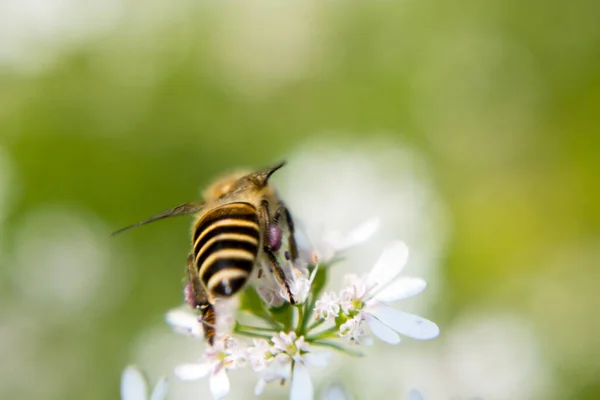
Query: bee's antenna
{"points": [[184, 209], [264, 175]]}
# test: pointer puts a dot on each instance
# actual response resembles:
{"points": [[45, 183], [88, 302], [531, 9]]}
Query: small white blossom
{"points": [[346, 301], [185, 321], [355, 291], [299, 286], [301, 282], [226, 354], [328, 306], [237, 354], [274, 294], [134, 387], [285, 343], [270, 292], [292, 354], [353, 331], [276, 371], [259, 355], [368, 298]]}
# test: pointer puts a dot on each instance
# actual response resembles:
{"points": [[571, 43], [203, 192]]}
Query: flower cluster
{"points": [[366, 300], [283, 356], [285, 337]]}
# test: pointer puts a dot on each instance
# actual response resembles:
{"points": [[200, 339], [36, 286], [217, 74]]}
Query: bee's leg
{"points": [[290, 224], [279, 274], [208, 322], [197, 297], [268, 249]]}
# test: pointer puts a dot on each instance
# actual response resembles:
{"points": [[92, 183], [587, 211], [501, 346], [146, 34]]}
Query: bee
{"points": [[237, 226]]}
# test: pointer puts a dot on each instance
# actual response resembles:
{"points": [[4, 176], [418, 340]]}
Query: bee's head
{"points": [[261, 178], [241, 181]]}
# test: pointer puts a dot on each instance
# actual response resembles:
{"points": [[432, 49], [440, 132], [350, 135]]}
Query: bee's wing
{"points": [[183, 209]]}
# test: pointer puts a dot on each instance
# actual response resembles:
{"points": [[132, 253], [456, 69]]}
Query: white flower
{"points": [[185, 321], [287, 343], [335, 391], [275, 372], [333, 243], [292, 354], [301, 282], [134, 387], [270, 291], [259, 355], [353, 331], [274, 294], [368, 298], [226, 354], [328, 306], [351, 296]]}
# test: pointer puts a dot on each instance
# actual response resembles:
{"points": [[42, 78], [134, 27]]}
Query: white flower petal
{"points": [[302, 388], [335, 392], [382, 331], [343, 241], [184, 321], [407, 324], [133, 385], [320, 359], [260, 386], [401, 288], [361, 233], [414, 394], [324, 252], [160, 390], [303, 242], [389, 265], [219, 383], [190, 372]]}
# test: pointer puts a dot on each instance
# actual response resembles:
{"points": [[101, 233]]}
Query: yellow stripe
{"points": [[227, 222], [225, 236], [225, 274], [238, 254]]}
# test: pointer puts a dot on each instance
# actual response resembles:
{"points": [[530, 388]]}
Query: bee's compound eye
{"points": [[274, 235]]}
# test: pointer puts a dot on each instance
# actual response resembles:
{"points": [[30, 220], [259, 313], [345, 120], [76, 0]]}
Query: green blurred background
{"points": [[480, 118]]}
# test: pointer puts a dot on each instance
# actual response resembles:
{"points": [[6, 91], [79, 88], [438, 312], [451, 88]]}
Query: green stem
{"points": [[309, 311], [324, 334], [314, 325], [300, 328], [256, 328], [312, 299], [252, 334], [339, 348], [269, 320]]}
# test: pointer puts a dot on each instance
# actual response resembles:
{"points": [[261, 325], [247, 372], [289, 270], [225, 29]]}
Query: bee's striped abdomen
{"points": [[226, 244]]}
